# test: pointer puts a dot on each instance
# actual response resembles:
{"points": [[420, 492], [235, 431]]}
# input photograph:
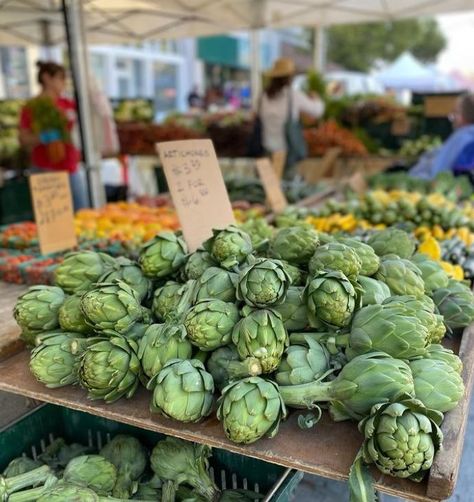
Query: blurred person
{"points": [[279, 112], [194, 99], [456, 154], [45, 130]]}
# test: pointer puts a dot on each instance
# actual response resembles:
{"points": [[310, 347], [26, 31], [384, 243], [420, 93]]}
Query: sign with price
{"points": [[52, 204], [197, 188]]}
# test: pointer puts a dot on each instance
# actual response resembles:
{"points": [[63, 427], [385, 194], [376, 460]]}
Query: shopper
{"points": [[457, 152], [279, 112], [46, 124]]}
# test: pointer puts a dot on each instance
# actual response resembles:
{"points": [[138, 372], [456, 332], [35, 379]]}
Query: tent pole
{"points": [[255, 68], [319, 48], [78, 58]]}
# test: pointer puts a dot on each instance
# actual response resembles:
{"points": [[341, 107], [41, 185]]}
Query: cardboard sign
{"points": [[54, 216], [278, 161], [197, 187], [271, 185], [357, 183]]}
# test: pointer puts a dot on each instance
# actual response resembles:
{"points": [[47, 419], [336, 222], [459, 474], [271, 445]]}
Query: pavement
{"points": [[311, 488]]}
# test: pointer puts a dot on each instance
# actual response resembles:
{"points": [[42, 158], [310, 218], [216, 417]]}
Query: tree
{"points": [[358, 47]]}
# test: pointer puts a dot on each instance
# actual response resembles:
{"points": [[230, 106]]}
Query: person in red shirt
{"points": [[46, 123]]}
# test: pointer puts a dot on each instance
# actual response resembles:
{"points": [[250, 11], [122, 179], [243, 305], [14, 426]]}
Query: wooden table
{"points": [[326, 450]]}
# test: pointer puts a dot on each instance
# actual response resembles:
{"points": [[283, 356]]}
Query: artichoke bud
{"points": [[402, 276], [71, 317], [296, 245], [392, 240], [229, 247], [197, 263], [216, 283], [335, 256], [92, 471]]}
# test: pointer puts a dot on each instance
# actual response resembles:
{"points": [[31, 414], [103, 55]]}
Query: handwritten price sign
{"points": [[54, 215], [197, 188]]}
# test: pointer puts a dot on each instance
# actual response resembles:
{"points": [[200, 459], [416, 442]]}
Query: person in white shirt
{"points": [[280, 128]]}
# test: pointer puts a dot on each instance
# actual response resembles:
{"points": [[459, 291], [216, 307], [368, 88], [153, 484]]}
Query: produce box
{"points": [[10, 267], [40, 270], [33, 432]]}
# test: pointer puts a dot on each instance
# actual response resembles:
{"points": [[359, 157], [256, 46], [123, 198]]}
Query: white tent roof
{"points": [[120, 21]]}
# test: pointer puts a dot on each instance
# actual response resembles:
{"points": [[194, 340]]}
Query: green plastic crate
{"points": [[31, 433]]}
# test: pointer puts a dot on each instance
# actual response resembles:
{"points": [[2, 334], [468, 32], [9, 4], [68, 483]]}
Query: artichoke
{"points": [[401, 438], [295, 245], [392, 240], [197, 263], [115, 306], [71, 317], [81, 269], [456, 304], [91, 471], [216, 283], [364, 381], [331, 299], [209, 323], [391, 328], [263, 283], [130, 459], [183, 462], [55, 361], [250, 409], [432, 272], [374, 292], [402, 276], [16, 483], [163, 255], [38, 309], [167, 298], [229, 247], [58, 454], [303, 363], [293, 311], [369, 259], [335, 256], [110, 369], [261, 334], [297, 276], [440, 353], [160, 344], [130, 273], [224, 365], [437, 385], [183, 390], [20, 465], [68, 492], [258, 230]]}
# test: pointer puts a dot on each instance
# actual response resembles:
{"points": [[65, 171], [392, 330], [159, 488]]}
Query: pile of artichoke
{"points": [[301, 320], [123, 469]]}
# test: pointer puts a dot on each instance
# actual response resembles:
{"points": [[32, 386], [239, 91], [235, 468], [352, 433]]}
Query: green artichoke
{"points": [[58, 454], [369, 259], [401, 438], [183, 390], [295, 245], [258, 230], [197, 263], [303, 363], [183, 462], [224, 365], [437, 385], [432, 273], [38, 309], [167, 298], [297, 276], [373, 291], [68, 492], [81, 269], [160, 344], [21, 481], [20, 465], [71, 317], [331, 299], [364, 381], [130, 273], [263, 283], [440, 353], [392, 240], [55, 361], [402, 276], [261, 334], [293, 311], [110, 369], [115, 306], [229, 247], [456, 304], [250, 409], [335, 256], [163, 255], [209, 323], [129, 457], [216, 283], [91, 471]]}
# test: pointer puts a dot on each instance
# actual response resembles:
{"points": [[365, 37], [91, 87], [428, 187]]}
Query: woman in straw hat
{"points": [[279, 112]]}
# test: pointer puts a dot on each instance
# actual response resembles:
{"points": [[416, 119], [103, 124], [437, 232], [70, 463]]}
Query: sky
{"points": [[459, 29]]}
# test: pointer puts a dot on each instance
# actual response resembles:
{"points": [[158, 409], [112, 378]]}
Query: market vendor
{"points": [[45, 128], [451, 155]]}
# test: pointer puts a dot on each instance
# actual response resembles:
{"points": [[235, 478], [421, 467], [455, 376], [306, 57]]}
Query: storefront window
{"points": [[14, 70], [99, 70], [165, 87]]}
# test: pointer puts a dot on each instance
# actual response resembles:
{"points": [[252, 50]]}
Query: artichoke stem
{"points": [[237, 369], [168, 491], [31, 478], [204, 485], [305, 395], [34, 493]]}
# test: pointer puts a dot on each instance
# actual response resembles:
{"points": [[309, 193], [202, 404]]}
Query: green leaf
{"points": [[361, 484]]}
